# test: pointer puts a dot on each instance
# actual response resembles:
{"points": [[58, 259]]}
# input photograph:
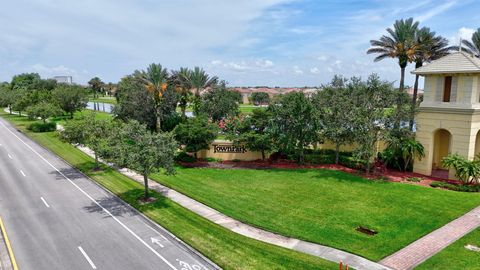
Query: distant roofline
{"points": [[420, 70]]}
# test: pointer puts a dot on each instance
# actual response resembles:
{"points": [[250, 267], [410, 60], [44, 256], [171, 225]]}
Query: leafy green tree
{"points": [[253, 132], [97, 86], [25, 81], [70, 98], [181, 79], [21, 100], [429, 47], [467, 171], [334, 114], [259, 98], [43, 110], [371, 122], [399, 44], [134, 103], [219, 102], [199, 80], [155, 80], [293, 124], [195, 134], [139, 149], [6, 96], [89, 131]]}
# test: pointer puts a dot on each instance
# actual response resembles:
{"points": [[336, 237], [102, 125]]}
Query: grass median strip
{"points": [[227, 249]]}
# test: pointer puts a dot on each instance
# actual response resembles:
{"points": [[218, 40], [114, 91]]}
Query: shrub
{"points": [[468, 171], [413, 179], [42, 127], [209, 159], [184, 157], [463, 188], [353, 162]]}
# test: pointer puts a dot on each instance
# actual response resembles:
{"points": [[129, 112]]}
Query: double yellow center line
{"points": [[9, 246]]}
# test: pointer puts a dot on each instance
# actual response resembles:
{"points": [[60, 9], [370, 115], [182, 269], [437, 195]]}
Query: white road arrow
{"points": [[156, 241]]}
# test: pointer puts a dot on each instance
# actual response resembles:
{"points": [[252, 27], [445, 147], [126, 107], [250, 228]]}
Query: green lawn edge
{"points": [[340, 240], [456, 256], [227, 249]]}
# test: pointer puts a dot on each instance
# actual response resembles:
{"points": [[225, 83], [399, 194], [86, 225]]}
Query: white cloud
{"points": [[297, 70], [264, 63], [436, 10], [314, 70], [322, 58], [48, 72]]}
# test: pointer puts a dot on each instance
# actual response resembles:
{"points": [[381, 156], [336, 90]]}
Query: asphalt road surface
{"points": [[56, 218]]}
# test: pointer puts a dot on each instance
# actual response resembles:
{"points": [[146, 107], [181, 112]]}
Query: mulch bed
{"points": [[388, 175]]}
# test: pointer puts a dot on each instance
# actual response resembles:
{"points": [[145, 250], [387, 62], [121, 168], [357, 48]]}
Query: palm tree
{"points": [[97, 85], [200, 80], [429, 47], [181, 79], [155, 79], [400, 44], [471, 47]]}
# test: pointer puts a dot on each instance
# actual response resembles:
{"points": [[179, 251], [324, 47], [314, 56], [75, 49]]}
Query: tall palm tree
{"points": [[155, 79], [181, 79], [471, 47], [399, 44], [429, 47], [199, 80], [97, 85]]}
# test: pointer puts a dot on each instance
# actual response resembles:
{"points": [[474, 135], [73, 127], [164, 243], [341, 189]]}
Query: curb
{"points": [[9, 246]]}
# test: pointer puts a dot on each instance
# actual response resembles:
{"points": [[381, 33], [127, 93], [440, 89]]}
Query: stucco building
{"points": [[449, 116]]}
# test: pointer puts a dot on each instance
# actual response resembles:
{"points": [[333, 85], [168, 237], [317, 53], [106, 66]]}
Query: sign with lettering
{"points": [[229, 148]]}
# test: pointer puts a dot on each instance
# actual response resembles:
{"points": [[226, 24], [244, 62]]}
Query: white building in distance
{"points": [[64, 79]]}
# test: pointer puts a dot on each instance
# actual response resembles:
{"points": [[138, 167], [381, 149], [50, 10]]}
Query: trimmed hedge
{"points": [[42, 127], [463, 188]]}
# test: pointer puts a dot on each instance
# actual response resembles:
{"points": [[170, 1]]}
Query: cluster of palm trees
{"points": [[408, 43], [185, 81]]}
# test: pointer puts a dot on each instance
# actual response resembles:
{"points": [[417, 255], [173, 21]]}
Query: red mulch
{"points": [[388, 175]]}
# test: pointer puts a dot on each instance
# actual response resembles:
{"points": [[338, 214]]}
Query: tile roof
{"points": [[457, 62]]}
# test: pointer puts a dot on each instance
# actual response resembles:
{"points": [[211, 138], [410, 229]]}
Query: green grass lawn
{"points": [[104, 99], [247, 108], [456, 256], [229, 250], [325, 206], [99, 115]]}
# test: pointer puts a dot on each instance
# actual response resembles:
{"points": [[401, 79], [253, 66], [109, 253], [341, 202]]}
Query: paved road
{"points": [[58, 219]]}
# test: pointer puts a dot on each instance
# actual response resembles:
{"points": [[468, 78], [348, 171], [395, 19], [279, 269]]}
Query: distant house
{"points": [[64, 79], [246, 92]]}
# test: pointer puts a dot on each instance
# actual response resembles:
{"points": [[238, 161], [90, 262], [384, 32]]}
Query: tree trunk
{"points": [[263, 154], [71, 115], [10, 109], [159, 119], [399, 100], [145, 183], [183, 108], [337, 153], [96, 160], [414, 102]]}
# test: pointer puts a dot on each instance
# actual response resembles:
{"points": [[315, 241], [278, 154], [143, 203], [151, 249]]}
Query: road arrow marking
{"points": [[156, 241], [22, 173], [10, 157]]}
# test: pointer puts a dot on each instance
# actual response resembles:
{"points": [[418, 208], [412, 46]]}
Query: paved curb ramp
{"points": [[7, 259]]}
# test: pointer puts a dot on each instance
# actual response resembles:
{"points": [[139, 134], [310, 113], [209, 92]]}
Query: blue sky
{"points": [[247, 43]]}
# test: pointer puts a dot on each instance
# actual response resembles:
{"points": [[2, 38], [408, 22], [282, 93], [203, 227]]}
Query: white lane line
{"points": [[22, 173], [93, 200], [45, 202], [86, 257], [10, 157]]}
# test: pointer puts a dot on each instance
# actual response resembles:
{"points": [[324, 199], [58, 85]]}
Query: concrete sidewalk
{"points": [[236, 226]]}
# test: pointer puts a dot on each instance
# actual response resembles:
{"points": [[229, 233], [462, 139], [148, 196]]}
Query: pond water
{"points": [[100, 106]]}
